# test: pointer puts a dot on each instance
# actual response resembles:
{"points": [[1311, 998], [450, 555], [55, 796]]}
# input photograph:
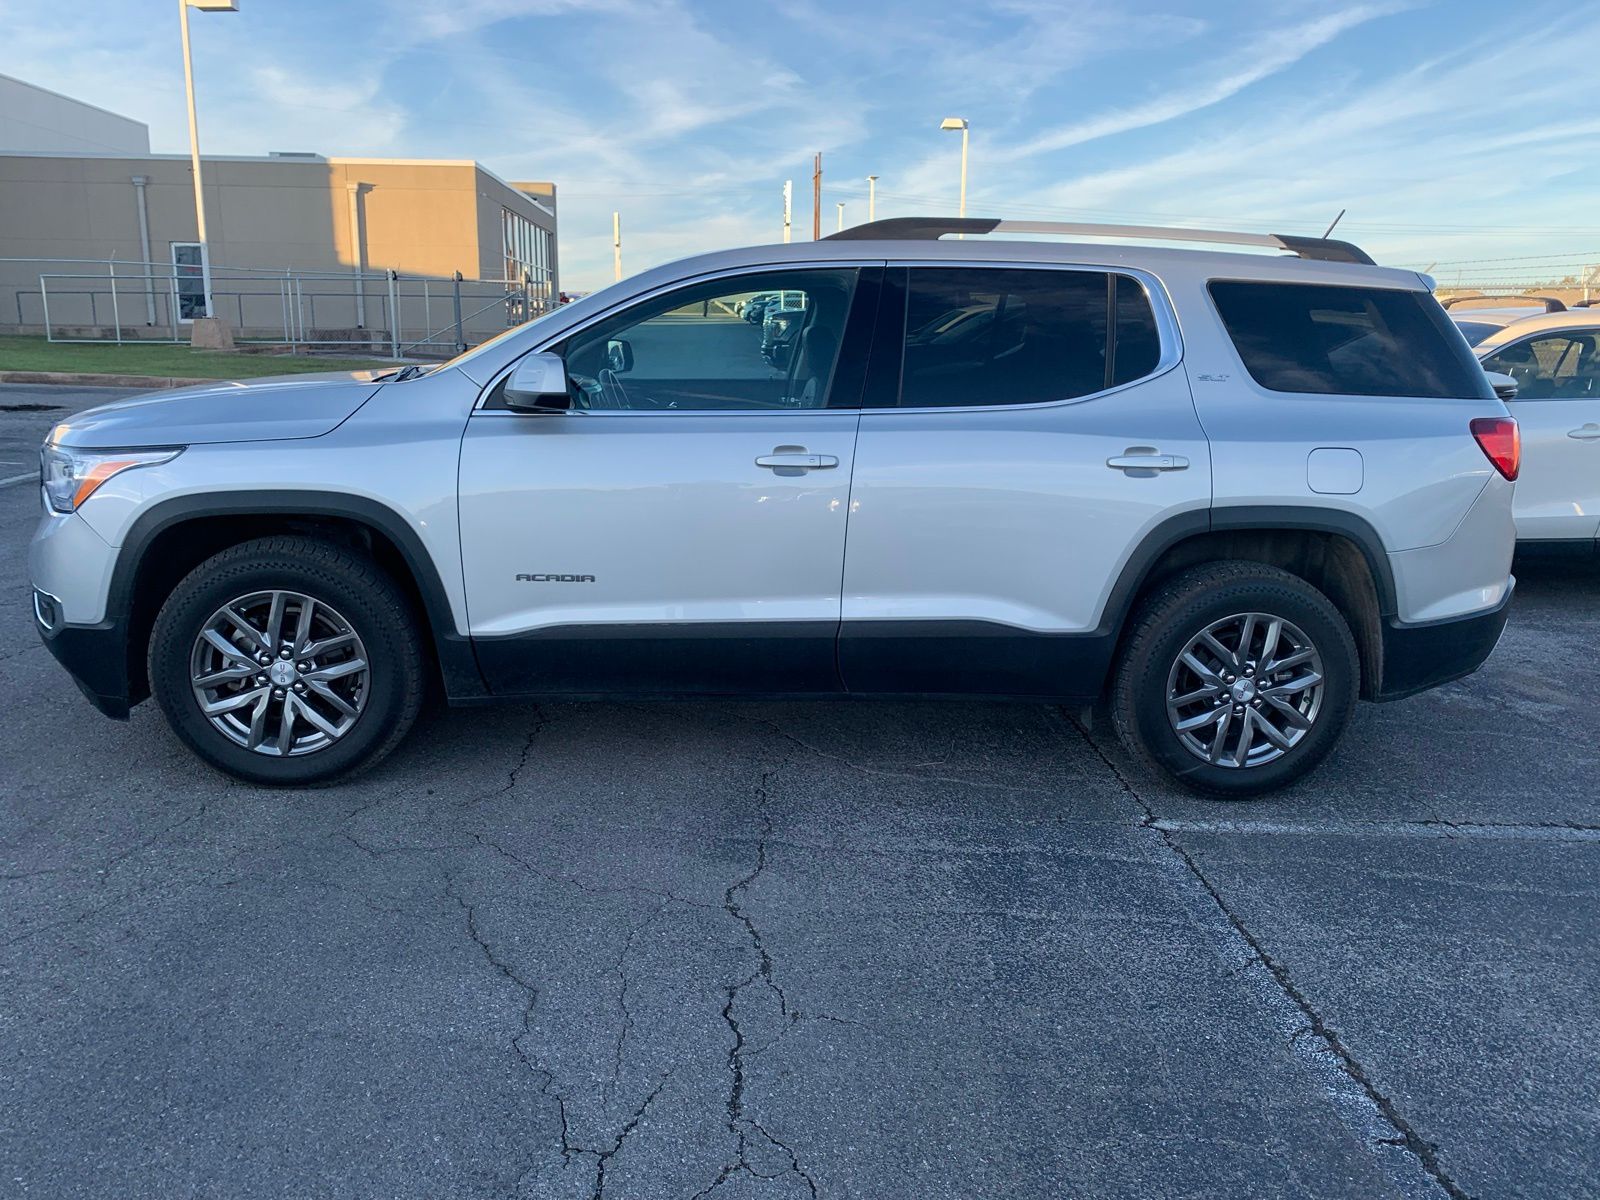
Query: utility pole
{"points": [[816, 199], [872, 198], [616, 245], [841, 214], [788, 199]]}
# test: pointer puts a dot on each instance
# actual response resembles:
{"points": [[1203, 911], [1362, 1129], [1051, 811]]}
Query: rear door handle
{"points": [[1148, 462], [1585, 434], [797, 462]]}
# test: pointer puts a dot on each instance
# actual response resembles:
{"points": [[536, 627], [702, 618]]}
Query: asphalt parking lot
{"points": [[797, 950]]}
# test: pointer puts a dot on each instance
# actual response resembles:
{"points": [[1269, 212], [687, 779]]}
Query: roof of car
{"points": [[1575, 318], [1220, 264]]}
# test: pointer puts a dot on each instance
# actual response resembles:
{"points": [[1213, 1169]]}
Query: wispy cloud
{"points": [[1258, 57]]}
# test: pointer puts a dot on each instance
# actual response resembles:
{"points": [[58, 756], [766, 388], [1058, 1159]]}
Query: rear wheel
{"points": [[1236, 679], [287, 661]]}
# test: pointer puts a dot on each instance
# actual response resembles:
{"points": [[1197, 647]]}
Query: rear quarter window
{"points": [[1350, 341]]}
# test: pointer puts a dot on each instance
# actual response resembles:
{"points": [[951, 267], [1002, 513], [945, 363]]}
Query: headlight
{"points": [[70, 477]]}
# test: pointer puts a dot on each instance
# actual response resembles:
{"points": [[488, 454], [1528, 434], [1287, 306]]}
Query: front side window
{"points": [[1560, 366], [986, 336], [1350, 341], [768, 341]]}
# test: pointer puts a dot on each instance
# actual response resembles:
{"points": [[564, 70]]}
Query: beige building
{"points": [[299, 244]]}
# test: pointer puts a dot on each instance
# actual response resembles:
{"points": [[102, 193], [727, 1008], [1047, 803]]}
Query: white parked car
{"points": [[1227, 493], [1478, 323], [1555, 360]]}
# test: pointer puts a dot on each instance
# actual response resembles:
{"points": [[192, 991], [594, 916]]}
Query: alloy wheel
{"points": [[1245, 690], [280, 673]]}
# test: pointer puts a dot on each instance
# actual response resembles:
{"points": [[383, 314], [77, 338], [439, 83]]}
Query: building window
{"points": [[527, 250]]}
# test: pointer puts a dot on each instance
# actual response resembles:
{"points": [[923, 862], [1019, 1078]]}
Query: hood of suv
{"points": [[287, 406]]}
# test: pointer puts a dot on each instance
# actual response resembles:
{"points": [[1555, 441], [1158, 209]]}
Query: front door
{"points": [[1558, 410], [681, 529]]}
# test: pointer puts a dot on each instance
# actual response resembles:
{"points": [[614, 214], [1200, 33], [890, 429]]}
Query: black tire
{"points": [[1179, 611], [348, 581]]}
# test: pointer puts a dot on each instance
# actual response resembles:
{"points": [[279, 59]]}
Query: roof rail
{"points": [[1551, 304], [933, 228]]}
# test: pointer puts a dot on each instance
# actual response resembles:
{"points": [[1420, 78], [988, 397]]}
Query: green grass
{"points": [[37, 354]]}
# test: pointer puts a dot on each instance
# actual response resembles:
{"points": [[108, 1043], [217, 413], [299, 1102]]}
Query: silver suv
{"points": [[1225, 493]]}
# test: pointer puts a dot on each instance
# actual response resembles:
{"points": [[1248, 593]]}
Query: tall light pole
{"points": [[960, 123], [788, 197], [840, 207], [616, 245], [194, 132], [872, 198]]}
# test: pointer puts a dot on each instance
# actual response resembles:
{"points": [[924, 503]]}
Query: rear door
{"points": [[681, 529], [1016, 447], [1558, 409]]}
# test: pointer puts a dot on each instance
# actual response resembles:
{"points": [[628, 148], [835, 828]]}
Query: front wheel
{"points": [[1236, 679], [287, 661]]}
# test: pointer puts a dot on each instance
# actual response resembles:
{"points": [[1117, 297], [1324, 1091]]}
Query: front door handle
{"points": [[785, 458], [1150, 461], [1586, 433]]}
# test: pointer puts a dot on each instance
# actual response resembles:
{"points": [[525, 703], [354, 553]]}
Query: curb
{"points": [[90, 379]]}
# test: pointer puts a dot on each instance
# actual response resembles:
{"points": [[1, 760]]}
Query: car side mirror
{"points": [[619, 355], [1505, 386], [538, 384]]}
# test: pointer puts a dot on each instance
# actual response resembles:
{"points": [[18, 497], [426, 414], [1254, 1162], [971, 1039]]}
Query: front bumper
{"points": [[1421, 656], [96, 656]]}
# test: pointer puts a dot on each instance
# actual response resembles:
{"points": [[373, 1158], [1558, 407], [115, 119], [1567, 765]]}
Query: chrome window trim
{"points": [[478, 409]]}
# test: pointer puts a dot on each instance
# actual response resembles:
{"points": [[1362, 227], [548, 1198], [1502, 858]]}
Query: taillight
{"points": [[1501, 442]]}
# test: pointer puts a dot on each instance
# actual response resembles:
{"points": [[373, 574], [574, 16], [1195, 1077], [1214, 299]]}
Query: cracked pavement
{"points": [[803, 950]]}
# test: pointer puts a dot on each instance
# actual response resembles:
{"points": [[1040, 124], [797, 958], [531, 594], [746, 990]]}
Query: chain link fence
{"points": [[374, 312]]}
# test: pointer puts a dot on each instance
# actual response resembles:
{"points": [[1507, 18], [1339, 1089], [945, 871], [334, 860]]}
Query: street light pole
{"points": [[872, 198], [194, 134], [841, 214], [960, 123]]}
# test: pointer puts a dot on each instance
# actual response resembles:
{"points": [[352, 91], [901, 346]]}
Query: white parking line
{"points": [[1426, 829], [23, 478]]}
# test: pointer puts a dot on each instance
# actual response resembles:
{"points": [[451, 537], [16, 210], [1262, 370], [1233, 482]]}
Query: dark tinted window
{"points": [[1020, 336], [1476, 331], [1561, 366], [1138, 344], [1354, 341]]}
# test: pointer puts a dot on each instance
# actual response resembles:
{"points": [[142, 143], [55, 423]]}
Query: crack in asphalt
{"points": [[1314, 1042], [741, 1126], [540, 723], [604, 1157], [626, 1025], [530, 992]]}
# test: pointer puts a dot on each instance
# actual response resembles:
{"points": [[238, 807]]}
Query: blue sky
{"points": [[1454, 131]]}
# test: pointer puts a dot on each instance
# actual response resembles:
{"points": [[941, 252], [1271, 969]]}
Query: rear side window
{"points": [[985, 336], [1351, 341]]}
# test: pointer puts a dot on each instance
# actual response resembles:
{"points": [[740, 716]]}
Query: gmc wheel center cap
{"points": [[283, 673], [1244, 690]]}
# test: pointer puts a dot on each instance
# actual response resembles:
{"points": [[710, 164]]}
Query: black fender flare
{"points": [[457, 663], [1247, 518]]}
